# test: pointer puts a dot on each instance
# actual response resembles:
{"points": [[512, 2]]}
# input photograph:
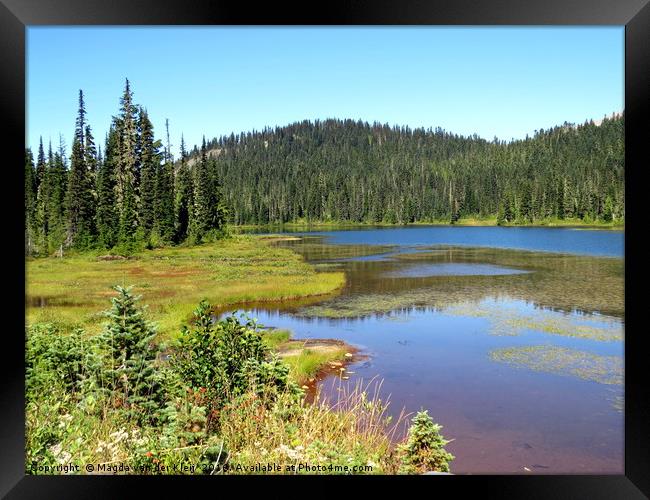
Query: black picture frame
{"points": [[15, 15]]}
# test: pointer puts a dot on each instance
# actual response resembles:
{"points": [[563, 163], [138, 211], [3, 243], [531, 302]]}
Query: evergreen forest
{"points": [[131, 193]]}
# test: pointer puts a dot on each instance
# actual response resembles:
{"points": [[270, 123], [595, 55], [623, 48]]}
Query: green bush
{"points": [[223, 359], [53, 358]]}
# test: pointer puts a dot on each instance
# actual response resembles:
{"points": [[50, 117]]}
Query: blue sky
{"points": [[505, 82]]}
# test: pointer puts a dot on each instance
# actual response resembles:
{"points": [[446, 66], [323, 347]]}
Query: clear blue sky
{"points": [[505, 82]]}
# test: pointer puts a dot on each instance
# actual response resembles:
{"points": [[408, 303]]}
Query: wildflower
{"points": [[289, 452], [64, 458]]}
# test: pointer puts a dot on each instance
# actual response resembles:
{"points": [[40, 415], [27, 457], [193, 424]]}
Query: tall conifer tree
{"points": [[203, 196], [184, 202], [30, 200], [148, 160], [55, 194], [107, 214], [126, 188], [79, 196]]}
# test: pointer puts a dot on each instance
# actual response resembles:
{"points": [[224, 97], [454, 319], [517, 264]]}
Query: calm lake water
{"points": [[512, 338]]}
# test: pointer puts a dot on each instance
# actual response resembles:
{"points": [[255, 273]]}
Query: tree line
{"points": [[346, 170], [132, 195], [135, 194]]}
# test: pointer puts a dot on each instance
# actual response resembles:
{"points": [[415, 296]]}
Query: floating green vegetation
{"points": [[560, 282], [364, 305], [512, 321], [563, 361], [314, 249], [567, 282]]}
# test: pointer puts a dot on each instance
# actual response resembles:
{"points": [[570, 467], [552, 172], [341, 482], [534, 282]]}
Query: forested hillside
{"points": [[135, 194], [347, 170]]}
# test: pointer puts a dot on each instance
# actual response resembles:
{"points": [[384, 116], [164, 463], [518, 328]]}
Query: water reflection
{"points": [[518, 354]]}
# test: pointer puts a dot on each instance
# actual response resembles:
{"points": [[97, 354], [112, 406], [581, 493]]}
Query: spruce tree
{"points": [[40, 165], [131, 374], [203, 197], [126, 176], [164, 206], [219, 210], [91, 159], [54, 193], [107, 215], [424, 449], [148, 160], [41, 201], [184, 199], [30, 201], [79, 196]]}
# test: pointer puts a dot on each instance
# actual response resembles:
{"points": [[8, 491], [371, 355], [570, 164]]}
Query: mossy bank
{"points": [[73, 290]]}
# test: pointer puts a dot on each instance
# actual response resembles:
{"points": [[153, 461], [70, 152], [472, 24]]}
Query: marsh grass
{"points": [[305, 225], [307, 362], [351, 430], [305, 358], [72, 291], [274, 338]]}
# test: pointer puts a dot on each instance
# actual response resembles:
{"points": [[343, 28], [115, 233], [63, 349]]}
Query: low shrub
{"points": [[424, 448]]}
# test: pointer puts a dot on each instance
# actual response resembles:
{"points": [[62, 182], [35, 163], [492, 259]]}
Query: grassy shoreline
{"points": [[467, 221], [72, 291]]}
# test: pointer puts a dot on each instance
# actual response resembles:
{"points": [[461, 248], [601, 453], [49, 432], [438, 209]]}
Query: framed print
{"points": [[389, 243]]}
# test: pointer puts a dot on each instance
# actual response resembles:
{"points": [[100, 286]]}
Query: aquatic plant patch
{"points": [[563, 361]]}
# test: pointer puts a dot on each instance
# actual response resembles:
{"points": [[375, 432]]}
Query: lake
{"points": [[511, 338]]}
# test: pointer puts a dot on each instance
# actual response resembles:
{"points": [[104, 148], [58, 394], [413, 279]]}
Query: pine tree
{"points": [[164, 206], [54, 192], [203, 197], [131, 374], [184, 199], [126, 176], [79, 196], [148, 173], [107, 215], [30, 201], [40, 165]]}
